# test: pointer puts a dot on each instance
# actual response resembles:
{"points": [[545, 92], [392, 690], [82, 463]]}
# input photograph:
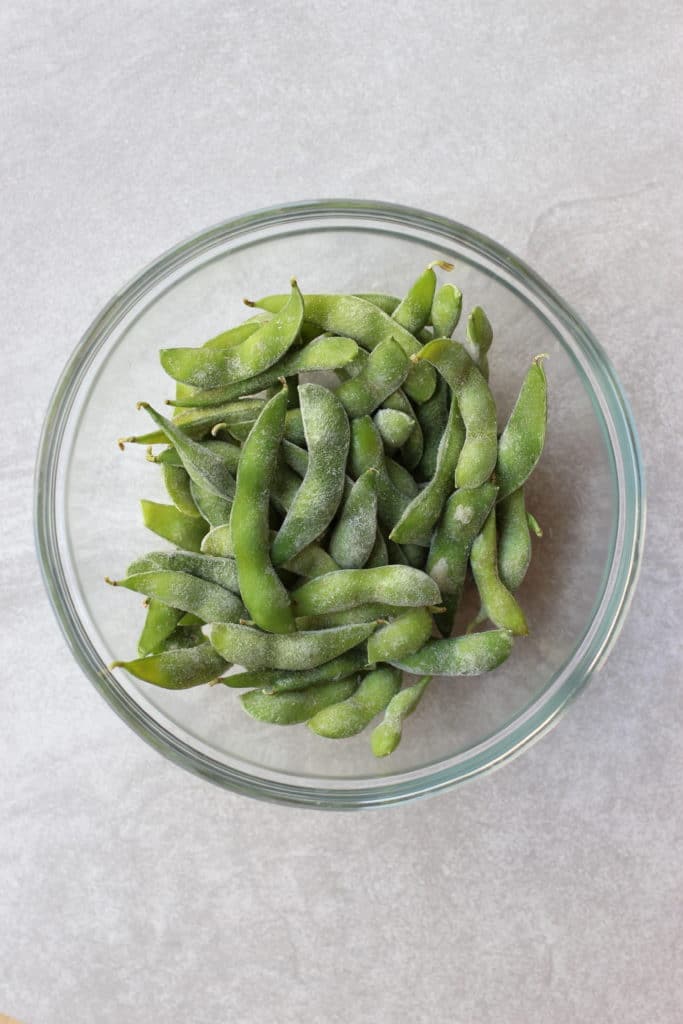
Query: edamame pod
{"points": [[179, 669], [361, 613], [197, 423], [177, 484], [446, 309], [470, 655], [298, 706], [522, 440], [514, 539], [160, 621], [479, 338], [414, 310], [221, 571], [242, 645], [387, 735], [385, 370], [399, 585], [353, 536], [217, 367], [477, 408], [366, 452], [203, 465], [165, 520], [394, 427], [279, 681], [411, 452], [497, 601], [432, 417], [405, 635], [350, 716], [212, 507], [465, 513], [189, 593]]}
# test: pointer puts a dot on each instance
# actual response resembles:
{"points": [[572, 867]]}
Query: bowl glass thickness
{"points": [[587, 493]]}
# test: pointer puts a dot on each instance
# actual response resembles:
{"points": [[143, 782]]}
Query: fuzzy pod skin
{"points": [[394, 426], [353, 536], [281, 681], [399, 585], [166, 521], [203, 465], [432, 417], [523, 438], [463, 517], [405, 635], [384, 371], [387, 735], [514, 539], [253, 649], [189, 593], [350, 716], [292, 708], [367, 452], [197, 423], [362, 613], [498, 604], [446, 310], [177, 669], [470, 655], [215, 510], [221, 571], [412, 450], [479, 338]]}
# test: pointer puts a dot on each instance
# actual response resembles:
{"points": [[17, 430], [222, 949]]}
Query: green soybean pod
{"points": [[432, 417], [221, 571], [522, 440], [327, 436], [400, 478], [295, 457], [253, 649], [178, 669], [311, 561], [479, 338], [367, 452], [182, 638], [291, 708], [197, 423], [187, 592], [463, 517], [470, 655], [375, 612], [399, 585], [417, 522], [218, 542], [411, 452], [514, 539], [353, 536], [387, 735], [204, 465], [284, 488], [177, 484], [209, 368], [387, 303], [236, 335], [165, 520], [355, 318], [446, 310], [379, 554], [160, 622], [477, 408], [350, 716], [262, 591], [385, 370], [394, 426], [405, 635], [279, 681], [214, 509], [414, 310], [497, 601]]}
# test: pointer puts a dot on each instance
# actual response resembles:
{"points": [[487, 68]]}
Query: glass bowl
{"points": [[588, 493]]}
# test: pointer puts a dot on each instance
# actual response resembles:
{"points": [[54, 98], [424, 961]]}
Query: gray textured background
{"points": [[131, 892]]}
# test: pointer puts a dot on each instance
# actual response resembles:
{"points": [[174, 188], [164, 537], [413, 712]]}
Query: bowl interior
{"points": [[575, 494]]}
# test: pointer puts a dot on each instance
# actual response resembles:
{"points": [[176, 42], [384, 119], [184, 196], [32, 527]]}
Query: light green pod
{"points": [[311, 561], [402, 480], [182, 638], [368, 325], [479, 338], [446, 310], [327, 436], [361, 613], [295, 457], [324, 353], [394, 427], [514, 539], [165, 520], [214, 509], [229, 453], [470, 655], [417, 522], [179, 669], [279, 681], [385, 370], [298, 706], [263, 592], [351, 715], [399, 585], [236, 335], [497, 601], [522, 440], [432, 417], [197, 423], [405, 635], [203, 464], [387, 303], [284, 488], [477, 408], [353, 536], [411, 452], [187, 592], [209, 368], [242, 645], [160, 622], [177, 484], [387, 735], [463, 517], [414, 310], [379, 554], [218, 542], [221, 571]]}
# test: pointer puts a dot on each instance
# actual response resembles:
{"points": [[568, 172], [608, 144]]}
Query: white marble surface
{"points": [[549, 891]]}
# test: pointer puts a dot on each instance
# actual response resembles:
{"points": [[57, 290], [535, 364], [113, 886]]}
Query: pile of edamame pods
{"points": [[323, 529]]}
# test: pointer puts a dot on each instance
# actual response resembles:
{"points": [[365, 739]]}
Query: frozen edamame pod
{"points": [[462, 520], [405, 635], [280, 681], [497, 602], [160, 621], [394, 427], [470, 655], [385, 370], [514, 539], [446, 309], [190, 593], [479, 338], [177, 484], [399, 585], [222, 571], [387, 735], [351, 715], [353, 536], [298, 706], [172, 525], [197, 423], [242, 645], [204, 465], [179, 669], [522, 440]]}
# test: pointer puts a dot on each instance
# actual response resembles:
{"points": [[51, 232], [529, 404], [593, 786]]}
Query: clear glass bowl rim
{"points": [[544, 712]]}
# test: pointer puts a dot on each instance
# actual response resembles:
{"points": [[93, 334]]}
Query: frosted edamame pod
{"points": [[311, 561], [399, 585], [217, 367], [214, 509], [221, 571], [379, 555], [432, 417], [497, 601], [279, 681], [411, 452], [514, 540], [368, 325], [414, 310], [385, 370], [182, 638], [522, 440], [203, 465], [350, 716], [479, 338], [446, 309], [478, 410], [324, 353], [387, 735], [405, 635], [361, 613], [197, 423], [242, 645], [367, 452], [179, 669], [400, 477], [263, 593], [284, 488], [218, 542], [387, 303], [165, 520], [187, 592], [353, 536], [470, 655], [461, 522], [291, 708], [327, 435], [418, 519], [394, 427], [160, 621], [177, 484], [236, 335], [295, 457]]}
